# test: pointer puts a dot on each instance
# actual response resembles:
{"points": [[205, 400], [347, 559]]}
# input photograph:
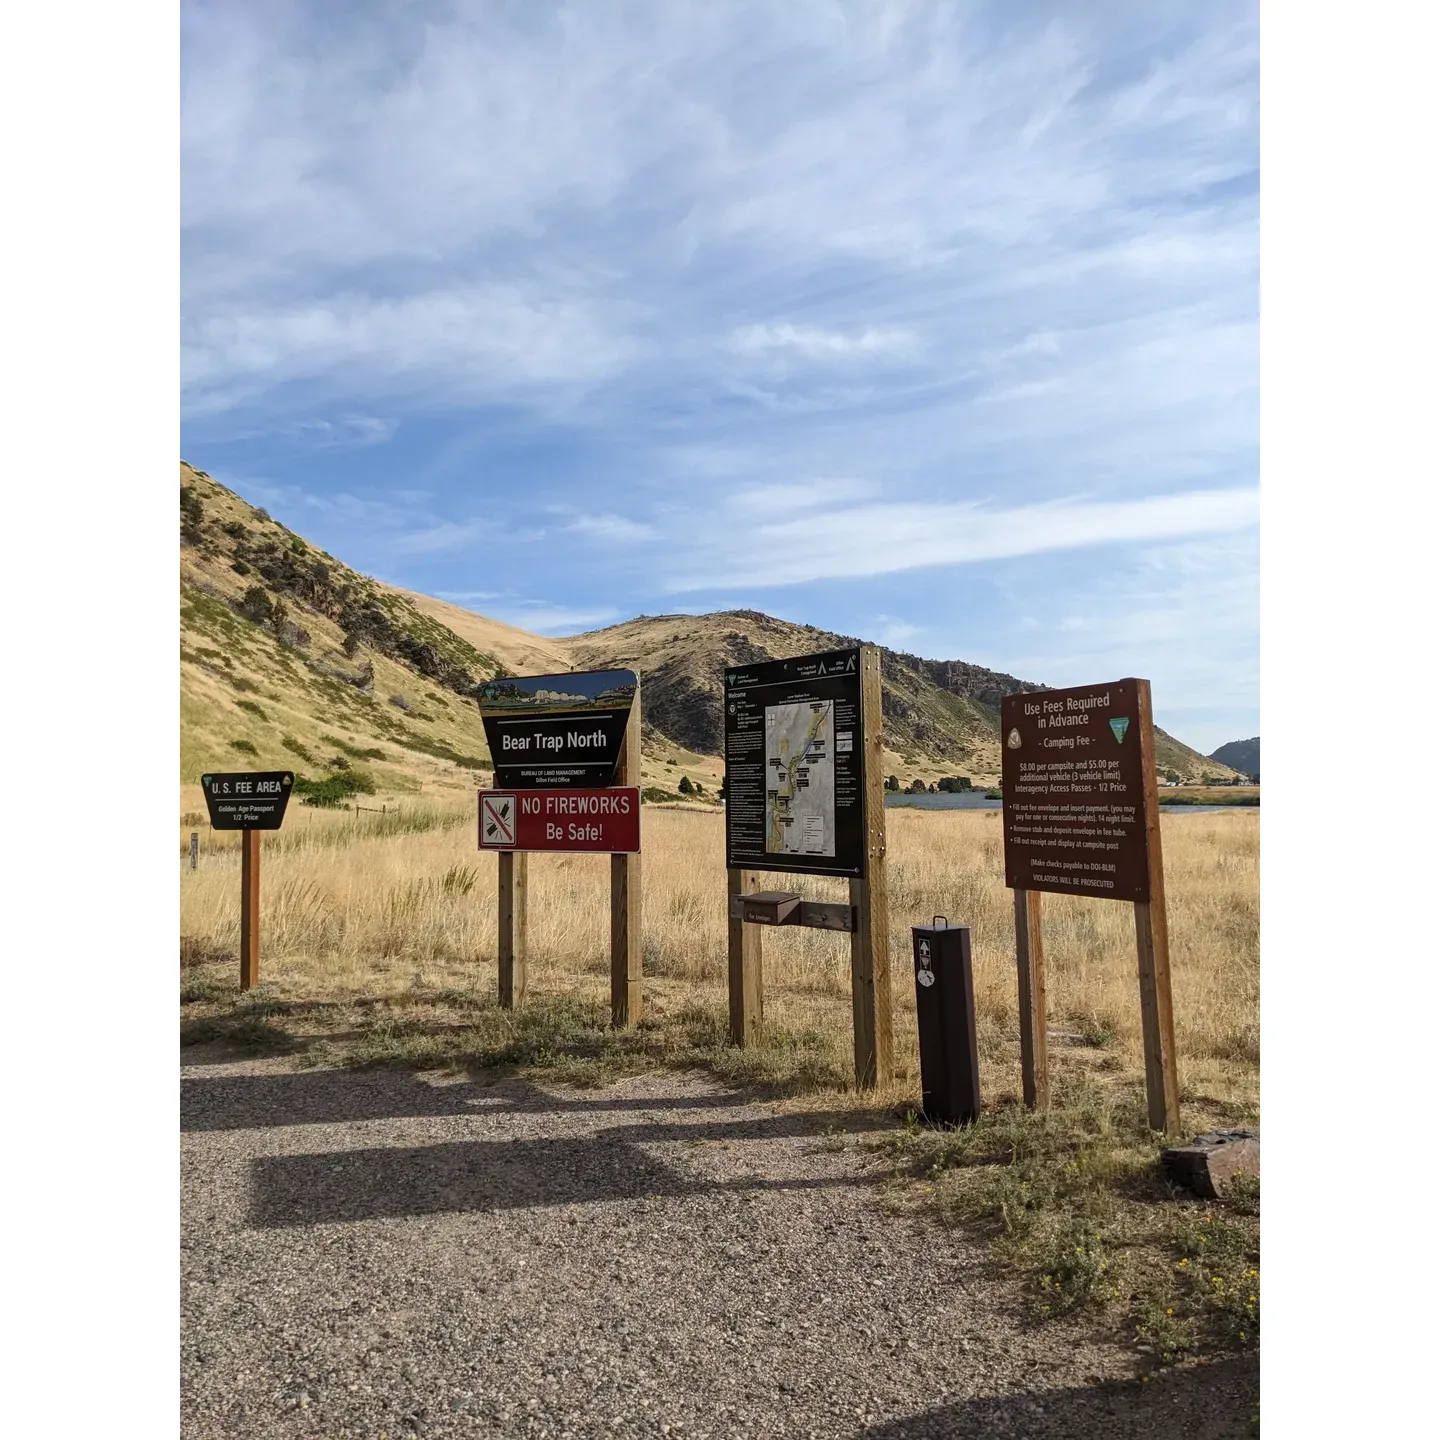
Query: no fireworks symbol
{"points": [[497, 820]]}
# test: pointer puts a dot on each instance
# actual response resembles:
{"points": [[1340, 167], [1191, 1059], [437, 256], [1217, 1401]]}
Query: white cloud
{"points": [[883, 539], [475, 342], [469, 597], [546, 619], [348, 432], [786, 497], [894, 633], [447, 535], [810, 342], [612, 527]]}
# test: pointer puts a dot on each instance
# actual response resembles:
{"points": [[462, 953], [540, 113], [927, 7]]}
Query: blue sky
{"points": [[933, 324]]}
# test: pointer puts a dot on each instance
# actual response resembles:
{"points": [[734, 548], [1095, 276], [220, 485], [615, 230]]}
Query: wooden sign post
{"points": [[514, 879], [249, 801], [249, 909], [567, 770], [1030, 962], [870, 897], [1082, 817], [1152, 943], [804, 794], [627, 1000]]}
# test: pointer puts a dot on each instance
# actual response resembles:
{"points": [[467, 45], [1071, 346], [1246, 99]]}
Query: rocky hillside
{"points": [[1241, 755]]}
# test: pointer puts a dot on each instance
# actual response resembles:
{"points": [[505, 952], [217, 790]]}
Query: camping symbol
{"points": [[1120, 725], [1013, 740]]}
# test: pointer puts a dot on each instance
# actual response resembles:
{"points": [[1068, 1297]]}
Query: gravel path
{"points": [[378, 1254]]}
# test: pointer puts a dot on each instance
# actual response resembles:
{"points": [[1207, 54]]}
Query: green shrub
{"points": [[354, 751], [192, 515], [686, 788], [296, 748], [257, 605], [244, 746], [240, 567], [254, 709], [334, 789]]}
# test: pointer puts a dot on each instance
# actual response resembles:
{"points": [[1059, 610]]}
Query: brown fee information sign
{"points": [[1074, 786]]}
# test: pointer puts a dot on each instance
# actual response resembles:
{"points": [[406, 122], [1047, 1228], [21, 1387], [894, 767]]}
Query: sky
{"points": [[931, 324]]}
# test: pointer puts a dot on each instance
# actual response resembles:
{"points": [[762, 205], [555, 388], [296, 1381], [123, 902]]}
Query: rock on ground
{"points": [[379, 1254]]}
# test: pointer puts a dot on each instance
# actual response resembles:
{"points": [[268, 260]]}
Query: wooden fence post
{"points": [[870, 940], [249, 908], [627, 999], [746, 972], [1030, 963], [514, 876], [1152, 942]]}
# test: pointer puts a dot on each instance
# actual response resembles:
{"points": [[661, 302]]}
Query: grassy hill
{"points": [[289, 659]]}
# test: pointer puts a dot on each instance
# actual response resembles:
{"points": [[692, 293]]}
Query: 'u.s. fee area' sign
{"points": [[605, 821], [247, 800]]}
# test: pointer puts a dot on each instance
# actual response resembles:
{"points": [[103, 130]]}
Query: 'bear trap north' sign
{"points": [[548, 731], [794, 766], [251, 800]]}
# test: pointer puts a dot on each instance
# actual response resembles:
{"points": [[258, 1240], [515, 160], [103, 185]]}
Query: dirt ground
{"points": [[381, 1254]]}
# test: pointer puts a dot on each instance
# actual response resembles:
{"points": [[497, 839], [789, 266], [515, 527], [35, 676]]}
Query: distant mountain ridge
{"points": [[291, 658], [941, 716], [1241, 755]]}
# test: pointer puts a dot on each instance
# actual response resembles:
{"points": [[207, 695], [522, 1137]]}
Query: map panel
{"points": [[800, 778]]}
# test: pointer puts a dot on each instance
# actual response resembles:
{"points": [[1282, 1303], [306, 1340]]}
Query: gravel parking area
{"points": [[381, 1254]]}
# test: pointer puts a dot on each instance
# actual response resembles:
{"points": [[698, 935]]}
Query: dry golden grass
{"points": [[355, 907]]}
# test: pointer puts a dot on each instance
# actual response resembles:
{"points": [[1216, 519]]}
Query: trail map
{"points": [[795, 766], [800, 778]]}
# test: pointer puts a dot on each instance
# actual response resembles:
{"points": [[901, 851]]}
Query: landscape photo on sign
{"points": [[571, 693]]}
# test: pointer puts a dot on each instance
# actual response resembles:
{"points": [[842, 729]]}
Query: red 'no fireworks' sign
{"points": [[607, 820]]}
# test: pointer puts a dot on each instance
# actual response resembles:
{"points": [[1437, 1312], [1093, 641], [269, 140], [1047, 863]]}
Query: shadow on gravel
{"points": [[471, 1175], [1215, 1401], [327, 1097]]}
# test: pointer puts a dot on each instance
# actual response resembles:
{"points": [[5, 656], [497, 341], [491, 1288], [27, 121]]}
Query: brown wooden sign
{"points": [[1082, 817], [1073, 775]]}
